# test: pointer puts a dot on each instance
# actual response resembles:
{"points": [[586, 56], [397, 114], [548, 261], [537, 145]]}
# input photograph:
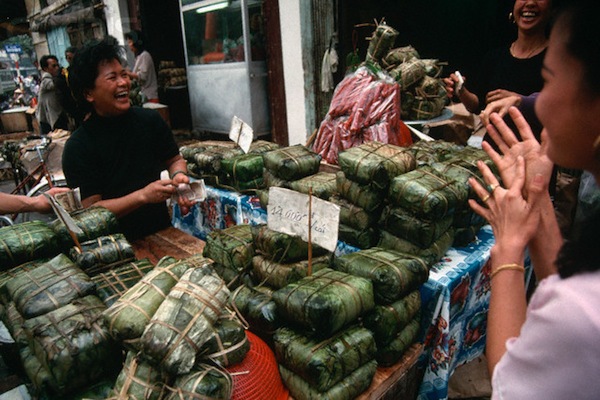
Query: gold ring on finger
{"points": [[486, 198], [493, 187]]}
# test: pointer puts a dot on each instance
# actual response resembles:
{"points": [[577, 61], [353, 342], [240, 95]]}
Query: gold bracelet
{"points": [[514, 267]]}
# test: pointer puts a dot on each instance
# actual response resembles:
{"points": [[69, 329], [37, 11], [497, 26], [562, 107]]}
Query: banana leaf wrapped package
{"points": [[278, 275], [417, 230], [394, 274], [380, 42], [270, 179], [364, 196], [281, 247], [112, 284], [128, 316], [431, 254], [205, 382], [426, 193], [393, 352], [231, 247], [326, 301], [40, 378], [103, 253], [8, 275], [184, 321], [460, 172], [409, 73], [324, 363], [399, 55], [293, 162], [375, 163], [27, 241], [228, 344], [138, 380], [464, 236], [353, 215], [48, 287], [208, 161], [361, 238], [243, 168], [14, 323], [323, 185], [465, 218], [257, 308], [94, 221], [73, 344], [387, 321], [349, 388]]}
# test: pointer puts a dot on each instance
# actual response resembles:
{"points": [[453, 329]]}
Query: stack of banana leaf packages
{"points": [[339, 367], [460, 168], [232, 250], [322, 185], [189, 151], [48, 286], [93, 221], [228, 343], [243, 173], [184, 320], [209, 162], [395, 327], [139, 379], [205, 382], [292, 163], [72, 345], [366, 171], [396, 279], [128, 316], [112, 284], [282, 259], [321, 352], [27, 241], [429, 152], [102, 254]]}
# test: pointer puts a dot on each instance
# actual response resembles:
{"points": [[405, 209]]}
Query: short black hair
{"points": [[44, 60], [138, 40], [71, 49], [84, 68]]}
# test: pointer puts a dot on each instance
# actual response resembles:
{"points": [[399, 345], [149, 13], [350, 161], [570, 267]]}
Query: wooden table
{"points": [[167, 242]]}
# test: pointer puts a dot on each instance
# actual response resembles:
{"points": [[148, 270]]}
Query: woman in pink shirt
{"points": [[549, 348]]}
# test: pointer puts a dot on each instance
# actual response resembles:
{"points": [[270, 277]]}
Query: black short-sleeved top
{"points": [[115, 156], [500, 70]]}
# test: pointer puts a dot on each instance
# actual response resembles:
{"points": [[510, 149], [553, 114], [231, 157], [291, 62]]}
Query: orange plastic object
{"points": [[257, 377]]}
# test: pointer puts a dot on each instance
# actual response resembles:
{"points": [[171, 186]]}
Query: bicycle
{"points": [[34, 183]]}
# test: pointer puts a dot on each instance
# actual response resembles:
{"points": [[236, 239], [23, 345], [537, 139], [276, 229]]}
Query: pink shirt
{"points": [[557, 355]]}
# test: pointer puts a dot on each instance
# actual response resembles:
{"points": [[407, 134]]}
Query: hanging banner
{"points": [[287, 212]]}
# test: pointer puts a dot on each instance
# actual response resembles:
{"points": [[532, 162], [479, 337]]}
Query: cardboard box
{"points": [[14, 120]]}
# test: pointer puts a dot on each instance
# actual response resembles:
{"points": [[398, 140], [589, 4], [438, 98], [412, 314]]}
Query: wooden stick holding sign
{"points": [[241, 133], [310, 218], [309, 271]]}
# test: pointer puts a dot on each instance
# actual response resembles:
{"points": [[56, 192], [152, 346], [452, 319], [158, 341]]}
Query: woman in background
{"points": [[143, 69]]}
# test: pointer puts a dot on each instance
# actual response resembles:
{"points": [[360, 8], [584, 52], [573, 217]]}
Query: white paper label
{"points": [[287, 212], [241, 133]]}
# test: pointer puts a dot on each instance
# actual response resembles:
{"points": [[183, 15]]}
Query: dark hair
{"points": [[138, 40], [71, 49], [44, 60], [580, 22], [84, 69]]}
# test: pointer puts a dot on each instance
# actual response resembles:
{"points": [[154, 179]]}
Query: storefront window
{"points": [[217, 36]]}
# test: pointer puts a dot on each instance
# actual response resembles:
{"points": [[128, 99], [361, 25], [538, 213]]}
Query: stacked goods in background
{"points": [[169, 75], [369, 104], [225, 165]]}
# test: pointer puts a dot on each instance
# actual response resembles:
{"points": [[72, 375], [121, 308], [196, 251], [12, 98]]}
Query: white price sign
{"points": [[241, 133], [287, 212]]}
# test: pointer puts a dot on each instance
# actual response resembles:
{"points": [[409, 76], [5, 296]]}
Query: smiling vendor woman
{"points": [[118, 153]]}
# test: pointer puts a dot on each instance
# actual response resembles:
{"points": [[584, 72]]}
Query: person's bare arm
{"points": [[10, 203], [177, 168], [469, 99]]}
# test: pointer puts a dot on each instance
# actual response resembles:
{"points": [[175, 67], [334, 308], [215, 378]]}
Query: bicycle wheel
{"points": [[36, 191]]}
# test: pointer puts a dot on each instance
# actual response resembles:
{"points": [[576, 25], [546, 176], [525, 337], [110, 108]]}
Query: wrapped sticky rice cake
{"points": [[139, 379], [27, 241], [361, 238], [366, 197], [205, 382], [375, 163], [322, 185], [324, 363], [243, 168], [390, 354], [184, 320], [112, 284], [128, 316], [281, 247], [8, 275], [103, 253], [386, 321], [94, 221], [326, 301], [348, 389], [48, 287], [292, 162], [431, 254], [73, 344], [228, 344], [417, 230], [353, 215], [257, 307], [393, 274], [231, 247]]}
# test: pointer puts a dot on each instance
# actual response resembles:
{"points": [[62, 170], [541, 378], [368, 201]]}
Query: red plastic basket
{"points": [[257, 377]]}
